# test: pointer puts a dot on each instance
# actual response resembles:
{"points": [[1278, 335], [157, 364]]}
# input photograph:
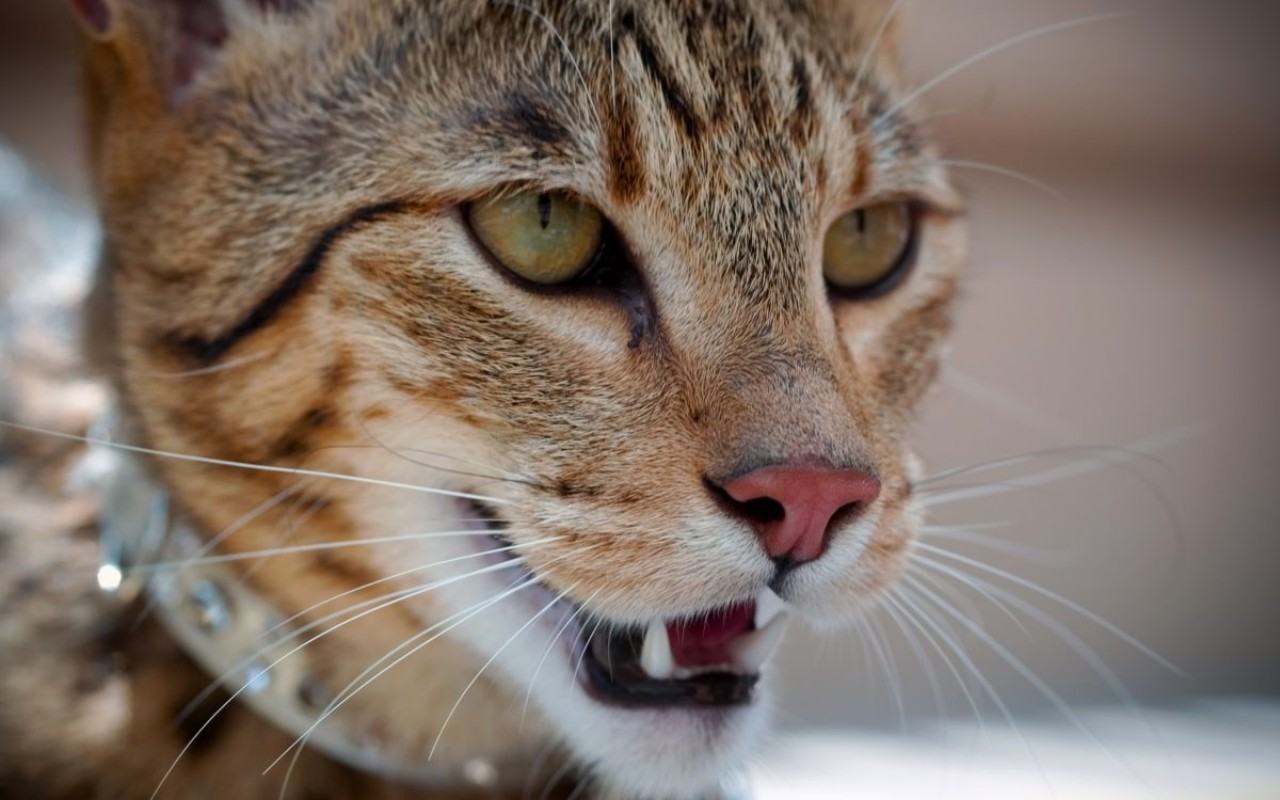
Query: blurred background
{"points": [[1140, 310]]}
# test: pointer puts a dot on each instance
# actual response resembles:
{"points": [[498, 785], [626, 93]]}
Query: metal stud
{"points": [[480, 772], [209, 607], [257, 677]]}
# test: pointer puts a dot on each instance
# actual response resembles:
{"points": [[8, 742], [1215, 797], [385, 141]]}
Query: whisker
{"points": [[348, 691], [404, 593], [874, 44], [586, 645], [308, 642], [226, 533], [954, 644], [564, 45], [1143, 450], [919, 654], [272, 552], [969, 611], [524, 711], [890, 674], [399, 452], [553, 782], [1059, 599], [891, 600], [918, 604], [490, 660], [983, 55], [218, 462], [1026, 672], [969, 535], [1107, 457], [1086, 653], [432, 632], [995, 169]]}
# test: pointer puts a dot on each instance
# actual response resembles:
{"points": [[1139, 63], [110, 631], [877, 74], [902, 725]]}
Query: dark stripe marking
{"points": [[626, 161], [527, 118], [677, 103], [209, 350], [802, 120]]}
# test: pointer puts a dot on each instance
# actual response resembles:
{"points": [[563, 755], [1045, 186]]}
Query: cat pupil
{"points": [[544, 210]]}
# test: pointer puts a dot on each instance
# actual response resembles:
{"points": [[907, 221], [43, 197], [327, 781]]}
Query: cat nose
{"points": [[791, 506]]}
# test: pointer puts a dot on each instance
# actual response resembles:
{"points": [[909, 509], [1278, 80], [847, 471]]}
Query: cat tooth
{"points": [[750, 652], [655, 656], [768, 606]]}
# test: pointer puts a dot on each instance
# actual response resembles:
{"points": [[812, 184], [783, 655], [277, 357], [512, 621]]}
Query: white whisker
{"points": [[890, 674], [1086, 653], [399, 452], [405, 593], [432, 632], [970, 535], [970, 612], [1107, 457], [218, 462], [1022, 669], [921, 657], [444, 725], [1057, 598], [995, 169], [398, 599], [524, 711], [891, 600], [227, 558], [868, 57], [564, 45], [257, 511], [994, 49], [967, 660]]}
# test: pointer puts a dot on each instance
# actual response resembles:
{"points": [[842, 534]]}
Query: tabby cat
{"points": [[582, 334]]}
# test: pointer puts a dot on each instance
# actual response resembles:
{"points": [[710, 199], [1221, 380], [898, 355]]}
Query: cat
{"points": [[567, 345]]}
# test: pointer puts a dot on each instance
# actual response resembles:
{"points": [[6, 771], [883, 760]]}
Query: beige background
{"points": [[1146, 303]]}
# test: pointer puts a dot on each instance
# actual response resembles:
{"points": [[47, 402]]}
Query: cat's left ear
{"points": [[176, 42]]}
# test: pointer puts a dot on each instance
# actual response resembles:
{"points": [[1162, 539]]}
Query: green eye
{"points": [[865, 247], [548, 238]]}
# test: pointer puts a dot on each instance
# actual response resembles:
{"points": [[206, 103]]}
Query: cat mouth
{"points": [[710, 659], [707, 660]]}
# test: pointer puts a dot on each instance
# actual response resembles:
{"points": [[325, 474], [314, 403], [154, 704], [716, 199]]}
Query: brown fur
{"points": [[284, 230]]}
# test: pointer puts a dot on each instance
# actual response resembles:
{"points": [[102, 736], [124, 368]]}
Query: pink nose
{"points": [[792, 506]]}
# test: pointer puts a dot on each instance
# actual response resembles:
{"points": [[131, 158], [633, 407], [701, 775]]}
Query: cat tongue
{"points": [[704, 642]]}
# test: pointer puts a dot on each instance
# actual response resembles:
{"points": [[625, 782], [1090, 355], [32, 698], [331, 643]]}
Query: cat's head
{"points": [[650, 287]]}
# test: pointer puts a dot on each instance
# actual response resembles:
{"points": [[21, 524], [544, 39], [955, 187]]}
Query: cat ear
{"points": [[182, 40]]}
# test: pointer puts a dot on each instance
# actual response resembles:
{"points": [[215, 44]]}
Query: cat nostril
{"points": [[763, 509]]}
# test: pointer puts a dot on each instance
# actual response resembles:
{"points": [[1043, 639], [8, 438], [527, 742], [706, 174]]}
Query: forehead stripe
{"points": [[208, 350], [672, 94]]}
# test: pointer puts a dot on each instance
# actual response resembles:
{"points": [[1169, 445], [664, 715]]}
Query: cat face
{"points": [[321, 225]]}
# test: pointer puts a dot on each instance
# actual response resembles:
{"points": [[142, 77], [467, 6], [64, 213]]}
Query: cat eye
{"points": [[547, 238], [868, 248]]}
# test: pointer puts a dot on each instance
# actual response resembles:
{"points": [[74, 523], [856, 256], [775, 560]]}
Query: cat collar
{"points": [[236, 635]]}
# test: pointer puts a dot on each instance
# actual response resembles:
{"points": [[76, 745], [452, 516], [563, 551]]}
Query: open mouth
{"points": [[710, 660]]}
